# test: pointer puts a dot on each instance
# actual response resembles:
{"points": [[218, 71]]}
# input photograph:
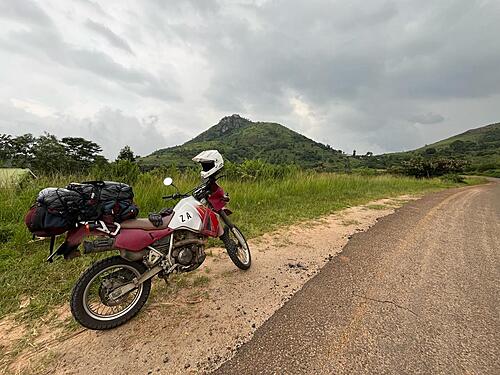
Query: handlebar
{"points": [[175, 196], [198, 192]]}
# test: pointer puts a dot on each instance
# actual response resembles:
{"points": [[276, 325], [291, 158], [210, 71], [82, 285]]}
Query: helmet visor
{"points": [[207, 165]]}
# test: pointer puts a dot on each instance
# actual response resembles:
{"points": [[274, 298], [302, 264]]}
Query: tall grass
{"points": [[259, 204]]}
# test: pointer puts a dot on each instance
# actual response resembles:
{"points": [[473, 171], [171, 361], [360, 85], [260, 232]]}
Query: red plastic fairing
{"points": [[210, 222], [216, 198], [75, 236], [138, 239]]}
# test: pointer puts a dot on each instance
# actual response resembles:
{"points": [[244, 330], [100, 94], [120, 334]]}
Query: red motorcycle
{"points": [[113, 290]]}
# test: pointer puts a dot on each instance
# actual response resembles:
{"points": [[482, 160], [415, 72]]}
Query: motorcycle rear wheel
{"points": [[93, 308], [237, 247]]}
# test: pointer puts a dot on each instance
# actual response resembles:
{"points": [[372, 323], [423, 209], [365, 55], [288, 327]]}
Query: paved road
{"points": [[419, 293]]}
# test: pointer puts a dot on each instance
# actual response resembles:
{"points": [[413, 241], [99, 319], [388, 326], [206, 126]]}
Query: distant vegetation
{"points": [[477, 151], [239, 139], [47, 155], [251, 147]]}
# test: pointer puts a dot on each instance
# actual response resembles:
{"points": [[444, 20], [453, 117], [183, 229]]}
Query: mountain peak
{"points": [[227, 125], [232, 122], [240, 139]]}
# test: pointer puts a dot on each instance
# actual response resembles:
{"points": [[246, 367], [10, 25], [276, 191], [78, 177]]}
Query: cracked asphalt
{"points": [[418, 293]]}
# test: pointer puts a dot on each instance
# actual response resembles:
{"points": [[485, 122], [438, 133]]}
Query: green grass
{"points": [[377, 206], [259, 207]]}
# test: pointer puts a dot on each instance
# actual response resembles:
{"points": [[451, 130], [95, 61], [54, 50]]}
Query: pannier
{"points": [[57, 210], [106, 200], [90, 209]]}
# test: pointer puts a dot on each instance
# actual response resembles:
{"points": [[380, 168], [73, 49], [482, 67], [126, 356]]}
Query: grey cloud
{"points": [[109, 35], [24, 11], [364, 55], [93, 6], [110, 128], [202, 7], [50, 45], [427, 118], [304, 49], [368, 72], [46, 42]]}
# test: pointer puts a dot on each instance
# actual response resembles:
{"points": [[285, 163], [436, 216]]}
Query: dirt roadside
{"points": [[200, 325]]}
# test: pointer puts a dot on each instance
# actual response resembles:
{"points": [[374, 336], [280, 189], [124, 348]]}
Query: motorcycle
{"points": [[113, 290]]}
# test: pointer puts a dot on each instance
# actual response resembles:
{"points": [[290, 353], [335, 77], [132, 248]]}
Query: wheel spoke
{"points": [[97, 301]]}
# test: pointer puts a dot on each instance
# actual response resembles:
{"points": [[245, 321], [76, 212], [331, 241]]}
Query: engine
{"points": [[188, 250]]}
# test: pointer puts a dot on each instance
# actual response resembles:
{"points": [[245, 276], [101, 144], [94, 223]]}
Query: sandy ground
{"points": [[196, 328]]}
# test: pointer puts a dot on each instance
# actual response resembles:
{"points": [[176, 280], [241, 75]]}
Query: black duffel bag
{"points": [[55, 211], [106, 200], [90, 209]]}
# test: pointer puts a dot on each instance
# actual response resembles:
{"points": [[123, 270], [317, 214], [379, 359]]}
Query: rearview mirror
{"points": [[168, 181]]}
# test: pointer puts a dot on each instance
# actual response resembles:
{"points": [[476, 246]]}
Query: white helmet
{"points": [[211, 162]]}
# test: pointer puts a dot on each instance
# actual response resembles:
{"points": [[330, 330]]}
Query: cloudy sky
{"points": [[367, 75]]}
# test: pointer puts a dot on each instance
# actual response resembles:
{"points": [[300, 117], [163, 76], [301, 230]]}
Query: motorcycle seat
{"points": [[145, 224]]}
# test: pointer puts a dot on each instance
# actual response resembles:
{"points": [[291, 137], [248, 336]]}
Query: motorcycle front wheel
{"points": [[91, 303], [237, 247]]}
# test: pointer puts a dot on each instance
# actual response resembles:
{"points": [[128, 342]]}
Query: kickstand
{"points": [[52, 253]]}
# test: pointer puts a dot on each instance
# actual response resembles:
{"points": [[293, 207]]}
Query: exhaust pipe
{"points": [[98, 245]]}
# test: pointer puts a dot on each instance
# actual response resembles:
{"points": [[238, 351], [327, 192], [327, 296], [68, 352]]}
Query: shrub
{"points": [[120, 170], [453, 177], [258, 170], [427, 168]]}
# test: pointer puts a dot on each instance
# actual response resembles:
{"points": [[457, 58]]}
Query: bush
{"points": [[453, 177], [427, 168], [258, 170], [120, 171]]}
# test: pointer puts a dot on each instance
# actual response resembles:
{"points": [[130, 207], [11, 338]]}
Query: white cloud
{"points": [[34, 107]]}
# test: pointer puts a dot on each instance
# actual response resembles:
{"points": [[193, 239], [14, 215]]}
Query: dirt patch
{"points": [[197, 321], [11, 334]]}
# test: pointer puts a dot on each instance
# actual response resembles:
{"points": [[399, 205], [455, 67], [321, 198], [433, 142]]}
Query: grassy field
{"points": [[259, 206]]}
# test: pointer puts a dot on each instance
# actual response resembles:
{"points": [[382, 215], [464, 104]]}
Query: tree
{"points": [[420, 167], [49, 155], [22, 151], [81, 153], [124, 171], [126, 154], [430, 151], [5, 148], [458, 146]]}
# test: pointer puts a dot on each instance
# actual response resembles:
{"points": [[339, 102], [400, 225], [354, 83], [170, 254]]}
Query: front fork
{"points": [[226, 220]]}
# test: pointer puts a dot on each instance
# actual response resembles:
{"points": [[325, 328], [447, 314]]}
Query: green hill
{"points": [[479, 139], [480, 147], [239, 139]]}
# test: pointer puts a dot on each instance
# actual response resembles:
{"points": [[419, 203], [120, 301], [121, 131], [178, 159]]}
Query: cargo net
{"points": [[57, 210]]}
